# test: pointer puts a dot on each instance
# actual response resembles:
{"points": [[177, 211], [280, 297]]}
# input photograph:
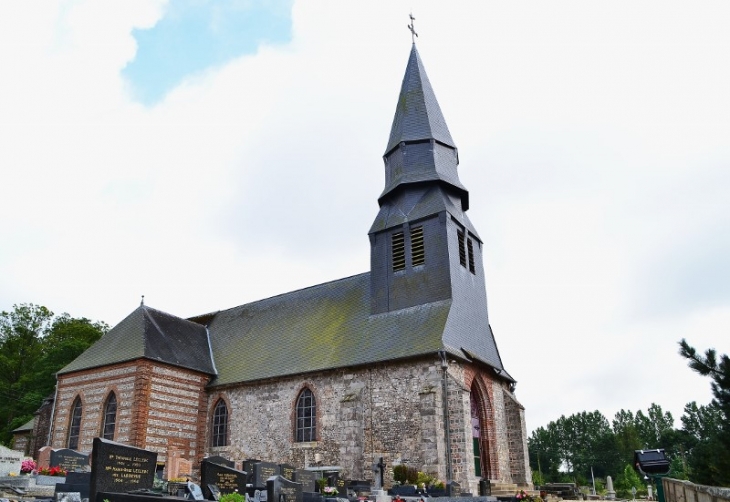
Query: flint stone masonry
{"points": [[364, 413]]}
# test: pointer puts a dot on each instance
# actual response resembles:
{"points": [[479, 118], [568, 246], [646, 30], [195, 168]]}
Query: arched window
{"points": [[110, 417], [306, 426], [74, 427], [479, 433], [220, 424]]}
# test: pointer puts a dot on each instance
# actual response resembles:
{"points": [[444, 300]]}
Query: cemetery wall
{"points": [[390, 410]]}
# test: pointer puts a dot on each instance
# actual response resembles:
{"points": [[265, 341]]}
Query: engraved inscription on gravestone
{"points": [[120, 468], [307, 479], [280, 489], [262, 471], [10, 461], [286, 471], [69, 460], [228, 480]]}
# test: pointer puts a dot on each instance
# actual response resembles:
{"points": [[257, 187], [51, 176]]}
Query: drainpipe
{"points": [[52, 425], [447, 423]]}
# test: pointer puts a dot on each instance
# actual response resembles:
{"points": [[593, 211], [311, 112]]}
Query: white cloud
{"points": [[593, 140]]}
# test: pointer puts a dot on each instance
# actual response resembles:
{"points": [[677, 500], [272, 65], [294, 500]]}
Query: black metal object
{"points": [[652, 462]]}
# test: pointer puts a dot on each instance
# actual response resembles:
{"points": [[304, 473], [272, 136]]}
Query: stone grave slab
{"points": [[116, 467], [69, 460], [308, 480], [227, 479], [68, 497], [217, 459], [287, 471], [195, 492], [280, 489], [261, 472], [10, 461]]}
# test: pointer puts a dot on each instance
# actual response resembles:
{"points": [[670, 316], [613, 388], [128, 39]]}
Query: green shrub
{"points": [[233, 497]]}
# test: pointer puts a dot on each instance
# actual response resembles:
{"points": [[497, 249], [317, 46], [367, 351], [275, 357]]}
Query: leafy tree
{"points": [[710, 457], [34, 345], [626, 480], [627, 436]]}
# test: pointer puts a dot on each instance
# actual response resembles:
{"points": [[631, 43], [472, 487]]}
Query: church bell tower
{"points": [[423, 247]]}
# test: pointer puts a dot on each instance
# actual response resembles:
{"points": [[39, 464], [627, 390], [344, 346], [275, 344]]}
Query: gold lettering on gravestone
{"points": [[288, 492], [227, 481], [127, 469], [267, 472]]}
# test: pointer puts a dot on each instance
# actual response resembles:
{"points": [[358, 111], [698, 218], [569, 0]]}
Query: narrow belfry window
{"points": [[220, 424], [306, 425], [462, 250], [399, 252], [110, 417], [470, 247], [74, 427], [418, 256]]}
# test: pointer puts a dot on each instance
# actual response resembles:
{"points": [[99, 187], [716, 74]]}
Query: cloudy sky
{"points": [[207, 154]]}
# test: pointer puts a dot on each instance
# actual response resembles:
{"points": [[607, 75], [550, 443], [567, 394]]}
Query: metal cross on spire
{"points": [[413, 30]]}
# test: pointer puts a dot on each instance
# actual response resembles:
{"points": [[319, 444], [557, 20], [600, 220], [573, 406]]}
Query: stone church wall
{"points": [[392, 410]]}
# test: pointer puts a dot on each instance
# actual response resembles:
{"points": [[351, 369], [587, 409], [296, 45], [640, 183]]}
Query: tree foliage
{"points": [[708, 427], [567, 449], [34, 345]]}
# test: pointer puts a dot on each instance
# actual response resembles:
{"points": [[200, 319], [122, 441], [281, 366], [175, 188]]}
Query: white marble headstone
{"points": [[10, 461]]}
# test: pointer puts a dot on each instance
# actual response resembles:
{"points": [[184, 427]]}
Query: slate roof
{"points": [[150, 334], [420, 148], [26, 427], [323, 327], [418, 114]]}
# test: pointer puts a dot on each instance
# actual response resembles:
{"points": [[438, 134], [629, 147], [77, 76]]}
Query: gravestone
{"points": [[227, 479], [453, 489], [76, 482], [120, 468], [69, 460], [610, 493], [280, 489], [44, 457], [217, 459], [287, 471], [261, 472], [195, 492], [10, 461], [341, 485], [308, 480]]}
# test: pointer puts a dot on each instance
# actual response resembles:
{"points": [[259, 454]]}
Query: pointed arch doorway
{"points": [[479, 433]]}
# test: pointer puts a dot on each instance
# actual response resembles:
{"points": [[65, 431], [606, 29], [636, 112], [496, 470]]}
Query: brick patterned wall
{"points": [[157, 405], [173, 412], [21, 441], [93, 386], [41, 428], [516, 433]]}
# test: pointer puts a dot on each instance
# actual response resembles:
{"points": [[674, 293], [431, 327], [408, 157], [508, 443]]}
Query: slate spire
{"points": [[420, 147]]}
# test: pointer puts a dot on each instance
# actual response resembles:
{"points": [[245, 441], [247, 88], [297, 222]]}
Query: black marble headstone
{"points": [[453, 489], [217, 459], [69, 460], [116, 467], [280, 489], [227, 479], [308, 480], [75, 482], [287, 471], [261, 472]]}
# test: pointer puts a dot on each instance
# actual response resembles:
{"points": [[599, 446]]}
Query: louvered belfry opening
{"points": [[399, 251], [470, 248], [462, 249], [418, 256]]}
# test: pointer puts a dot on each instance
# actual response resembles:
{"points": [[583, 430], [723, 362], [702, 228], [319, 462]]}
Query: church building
{"points": [[399, 362]]}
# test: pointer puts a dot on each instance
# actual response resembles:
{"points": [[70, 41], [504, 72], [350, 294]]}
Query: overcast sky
{"points": [[208, 154]]}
